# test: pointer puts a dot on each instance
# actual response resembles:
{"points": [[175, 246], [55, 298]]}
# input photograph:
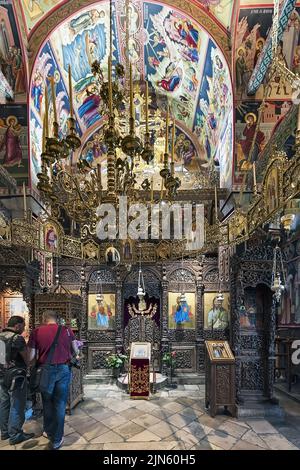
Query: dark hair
{"points": [[15, 320]]}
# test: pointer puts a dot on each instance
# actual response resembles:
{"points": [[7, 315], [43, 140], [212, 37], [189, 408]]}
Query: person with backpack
{"points": [[13, 381], [51, 345]]}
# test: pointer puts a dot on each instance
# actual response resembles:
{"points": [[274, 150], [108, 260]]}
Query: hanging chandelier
{"points": [[127, 137], [141, 292], [99, 295], [277, 286]]}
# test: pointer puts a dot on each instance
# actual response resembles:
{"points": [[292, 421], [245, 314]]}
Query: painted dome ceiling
{"points": [[35, 11], [171, 51]]}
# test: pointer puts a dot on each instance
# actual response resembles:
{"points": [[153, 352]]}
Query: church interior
{"points": [[150, 195]]}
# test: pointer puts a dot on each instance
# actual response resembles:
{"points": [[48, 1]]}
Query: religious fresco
{"points": [[213, 120], [14, 141], [216, 312], [247, 113], [221, 9], [182, 314], [12, 64], [180, 62], [35, 10], [101, 315]]}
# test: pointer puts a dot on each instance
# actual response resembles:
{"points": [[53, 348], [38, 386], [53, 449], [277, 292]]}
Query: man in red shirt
{"points": [[55, 396]]}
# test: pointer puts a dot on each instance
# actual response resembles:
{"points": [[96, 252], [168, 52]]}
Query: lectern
{"points": [[139, 370], [220, 377]]}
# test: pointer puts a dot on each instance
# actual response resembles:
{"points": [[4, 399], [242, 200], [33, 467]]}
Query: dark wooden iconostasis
{"points": [[18, 284], [253, 329], [120, 324]]}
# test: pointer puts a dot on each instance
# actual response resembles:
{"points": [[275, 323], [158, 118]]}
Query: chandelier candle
{"points": [[71, 93], [46, 122], [147, 111], [173, 149], [53, 101], [254, 178], [110, 98]]}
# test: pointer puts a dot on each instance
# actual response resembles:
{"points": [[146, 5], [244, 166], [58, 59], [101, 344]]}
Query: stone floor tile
{"points": [[251, 437], [108, 437], [198, 430], [94, 447], [162, 445], [118, 405], [278, 442], [174, 406], [221, 439], [162, 413], [188, 439], [191, 412], [162, 429], [144, 436], [93, 431], [234, 429], [146, 420], [179, 420], [262, 426], [244, 445], [74, 439], [132, 413], [101, 416], [191, 387], [206, 445], [114, 421], [129, 430]]}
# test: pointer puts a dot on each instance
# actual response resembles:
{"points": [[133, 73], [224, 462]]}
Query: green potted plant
{"points": [[116, 362], [169, 358]]}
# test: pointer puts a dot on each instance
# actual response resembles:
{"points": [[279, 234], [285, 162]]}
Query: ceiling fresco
{"points": [[36, 10], [177, 57]]}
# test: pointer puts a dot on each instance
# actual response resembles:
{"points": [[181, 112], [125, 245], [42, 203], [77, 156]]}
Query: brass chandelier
{"points": [[127, 143]]}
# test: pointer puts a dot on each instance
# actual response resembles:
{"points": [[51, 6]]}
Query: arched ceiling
{"points": [[36, 11], [173, 52]]}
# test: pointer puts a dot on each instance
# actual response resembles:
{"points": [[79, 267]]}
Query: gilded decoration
{"points": [[139, 380], [5, 231]]}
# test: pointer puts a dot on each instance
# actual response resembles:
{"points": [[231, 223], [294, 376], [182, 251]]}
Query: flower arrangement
{"points": [[115, 361], [169, 358]]}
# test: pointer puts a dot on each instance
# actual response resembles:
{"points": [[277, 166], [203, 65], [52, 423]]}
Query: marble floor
{"points": [[175, 419]]}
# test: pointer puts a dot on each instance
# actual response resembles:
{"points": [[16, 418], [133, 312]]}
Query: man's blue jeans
{"points": [[12, 411], [55, 401]]}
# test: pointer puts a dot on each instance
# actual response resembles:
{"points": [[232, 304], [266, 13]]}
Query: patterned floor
{"points": [[175, 419]]}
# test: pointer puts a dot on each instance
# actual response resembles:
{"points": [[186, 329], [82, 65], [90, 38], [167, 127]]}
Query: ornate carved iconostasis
{"points": [[122, 319]]}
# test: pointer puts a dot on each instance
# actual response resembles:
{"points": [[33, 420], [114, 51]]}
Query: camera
{"points": [[75, 363]]}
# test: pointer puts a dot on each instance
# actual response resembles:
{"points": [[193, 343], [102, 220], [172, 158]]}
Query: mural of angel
{"points": [[172, 78], [11, 142]]}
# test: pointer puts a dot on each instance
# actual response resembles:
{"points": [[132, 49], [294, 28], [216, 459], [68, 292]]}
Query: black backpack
{"points": [[13, 376]]}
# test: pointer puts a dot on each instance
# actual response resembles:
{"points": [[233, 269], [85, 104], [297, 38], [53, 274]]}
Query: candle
{"points": [[24, 200], [167, 131], [152, 190], [147, 111], [53, 99], [216, 203], [99, 175], [131, 91], [173, 143], [162, 189], [110, 99], [44, 134], [70, 92], [254, 176], [46, 111]]}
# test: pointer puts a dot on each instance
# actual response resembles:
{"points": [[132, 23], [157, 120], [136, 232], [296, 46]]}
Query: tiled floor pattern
{"points": [[108, 419]]}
